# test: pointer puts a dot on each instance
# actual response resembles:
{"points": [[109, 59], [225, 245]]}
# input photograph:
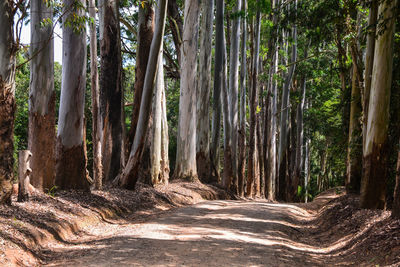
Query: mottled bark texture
{"points": [[110, 88], [144, 38], [217, 92], [130, 174], [42, 132], [176, 25], [203, 93], [7, 100], [70, 156], [96, 126], [373, 186], [186, 138], [24, 171]]}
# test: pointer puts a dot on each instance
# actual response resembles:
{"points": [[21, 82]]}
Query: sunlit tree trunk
{"points": [[234, 92], [110, 88], [71, 162], [217, 91], [130, 174], [42, 133], [242, 109], [203, 95], [164, 172], [7, 100], [94, 76], [186, 139], [375, 156]]}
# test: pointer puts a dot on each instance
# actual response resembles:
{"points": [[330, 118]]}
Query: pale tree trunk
{"points": [[298, 168], [155, 149], [203, 95], [253, 180], [70, 156], [307, 172], [375, 156], [227, 174], [369, 62], [217, 92], [164, 172], [234, 93], [7, 100], [186, 140], [42, 131], [130, 173], [242, 109], [282, 153], [110, 88], [94, 76], [144, 38], [24, 172]]}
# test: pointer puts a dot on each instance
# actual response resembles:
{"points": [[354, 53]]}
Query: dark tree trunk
{"points": [[110, 88], [176, 25]]}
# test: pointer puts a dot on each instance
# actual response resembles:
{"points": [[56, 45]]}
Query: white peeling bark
{"points": [[164, 172], [203, 92], [186, 140]]}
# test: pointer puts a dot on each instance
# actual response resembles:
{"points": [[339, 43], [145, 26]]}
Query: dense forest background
{"points": [[290, 120]]}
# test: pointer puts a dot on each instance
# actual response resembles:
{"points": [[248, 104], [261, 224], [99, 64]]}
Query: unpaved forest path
{"points": [[211, 233]]}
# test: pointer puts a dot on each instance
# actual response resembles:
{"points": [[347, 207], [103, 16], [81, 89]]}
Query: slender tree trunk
{"points": [[94, 75], [144, 38], [375, 156], [396, 195], [252, 172], [164, 172], [234, 93], [227, 174], [71, 163], [110, 88], [217, 92], [24, 172], [242, 109], [42, 133], [130, 173], [369, 62], [155, 150], [282, 155], [186, 141], [307, 169], [354, 150], [176, 25], [204, 84]]}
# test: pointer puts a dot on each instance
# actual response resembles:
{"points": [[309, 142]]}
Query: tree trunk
{"points": [[234, 92], [176, 25], [71, 163], [282, 155], [217, 92], [204, 84], [375, 156], [110, 88], [164, 172], [354, 149], [227, 174], [24, 171], [396, 195], [144, 38], [186, 141], [242, 109], [96, 133], [252, 171], [42, 133], [155, 149], [369, 62], [130, 173]]}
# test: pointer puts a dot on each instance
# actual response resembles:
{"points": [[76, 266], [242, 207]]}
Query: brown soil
{"points": [[144, 228]]}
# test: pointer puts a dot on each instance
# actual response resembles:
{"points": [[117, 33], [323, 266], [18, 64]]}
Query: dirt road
{"points": [[211, 233]]}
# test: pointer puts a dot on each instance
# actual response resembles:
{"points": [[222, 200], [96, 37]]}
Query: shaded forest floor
{"points": [[150, 227]]}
